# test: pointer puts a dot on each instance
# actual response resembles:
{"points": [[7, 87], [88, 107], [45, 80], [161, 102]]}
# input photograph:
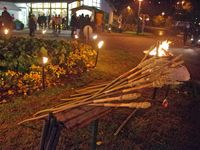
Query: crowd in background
{"points": [[56, 23], [78, 23]]}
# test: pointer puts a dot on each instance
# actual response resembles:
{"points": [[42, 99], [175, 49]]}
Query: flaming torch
{"points": [[161, 50], [6, 31]]}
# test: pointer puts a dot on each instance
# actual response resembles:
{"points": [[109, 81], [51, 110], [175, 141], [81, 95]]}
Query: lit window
{"points": [[46, 5], [53, 5], [64, 5], [94, 3], [58, 5]]}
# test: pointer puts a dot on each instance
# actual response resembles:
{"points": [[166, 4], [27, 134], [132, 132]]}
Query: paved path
{"points": [[137, 44]]}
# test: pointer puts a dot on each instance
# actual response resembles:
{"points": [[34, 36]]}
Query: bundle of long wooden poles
{"points": [[123, 91]]}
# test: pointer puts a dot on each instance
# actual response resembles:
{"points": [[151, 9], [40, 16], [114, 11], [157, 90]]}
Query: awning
{"points": [[9, 6], [87, 8]]}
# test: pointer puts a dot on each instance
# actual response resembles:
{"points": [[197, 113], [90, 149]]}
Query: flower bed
{"points": [[21, 63]]}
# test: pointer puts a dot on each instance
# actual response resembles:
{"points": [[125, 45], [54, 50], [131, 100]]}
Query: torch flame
{"points": [[6, 31], [44, 31], [161, 50]]}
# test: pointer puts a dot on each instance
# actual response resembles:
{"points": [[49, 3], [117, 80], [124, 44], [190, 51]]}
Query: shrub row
{"points": [[21, 63]]}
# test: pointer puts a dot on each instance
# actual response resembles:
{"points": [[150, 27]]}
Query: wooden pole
{"points": [[125, 122]]}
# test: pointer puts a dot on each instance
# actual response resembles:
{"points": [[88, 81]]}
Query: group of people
{"points": [[78, 23], [55, 22], [6, 20]]}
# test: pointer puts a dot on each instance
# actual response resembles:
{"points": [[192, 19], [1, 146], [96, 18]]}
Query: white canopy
{"points": [[9, 6]]}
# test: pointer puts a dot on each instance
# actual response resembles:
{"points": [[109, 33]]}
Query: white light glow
{"points": [[95, 37], [44, 31], [76, 36], [44, 60], [100, 44], [147, 19]]}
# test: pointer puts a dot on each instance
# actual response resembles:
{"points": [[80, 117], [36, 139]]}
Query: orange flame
{"points": [[161, 50]]}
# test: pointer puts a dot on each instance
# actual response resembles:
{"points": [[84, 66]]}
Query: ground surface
{"points": [[174, 128]]}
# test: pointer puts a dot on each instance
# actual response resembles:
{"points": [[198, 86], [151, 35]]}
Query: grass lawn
{"points": [[155, 128]]}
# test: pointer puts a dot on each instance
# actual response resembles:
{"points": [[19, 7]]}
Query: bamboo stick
{"points": [[142, 105], [91, 87], [125, 97]]}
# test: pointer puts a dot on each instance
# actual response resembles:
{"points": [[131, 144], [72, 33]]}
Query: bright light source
{"points": [[109, 28], [95, 37], [129, 8], [192, 39], [76, 36], [140, 0], [147, 19], [161, 50], [161, 33], [44, 31], [183, 2], [6, 31], [163, 13], [100, 44], [44, 60]]}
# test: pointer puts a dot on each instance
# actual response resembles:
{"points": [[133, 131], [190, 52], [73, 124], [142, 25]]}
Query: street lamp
{"points": [[44, 61], [139, 9], [99, 46]]}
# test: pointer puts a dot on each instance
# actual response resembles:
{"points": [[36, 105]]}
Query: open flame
{"points": [[161, 50], [6, 31]]}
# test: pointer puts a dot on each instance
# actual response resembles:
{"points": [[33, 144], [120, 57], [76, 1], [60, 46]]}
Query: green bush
{"points": [[21, 62]]}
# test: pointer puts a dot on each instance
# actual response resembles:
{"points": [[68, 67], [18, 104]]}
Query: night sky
{"points": [[154, 5]]}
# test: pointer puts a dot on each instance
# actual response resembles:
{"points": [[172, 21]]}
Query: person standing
{"points": [[32, 25], [6, 18], [59, 23], [73, 24]]}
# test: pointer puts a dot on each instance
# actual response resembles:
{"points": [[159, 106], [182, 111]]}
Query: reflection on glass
{"points": [[55, 11], [46, 12]]}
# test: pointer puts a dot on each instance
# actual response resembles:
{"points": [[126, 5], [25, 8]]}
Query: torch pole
{"points": [[43, 77], [138, 17], [96, 57]]}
